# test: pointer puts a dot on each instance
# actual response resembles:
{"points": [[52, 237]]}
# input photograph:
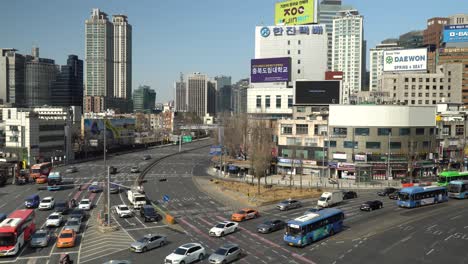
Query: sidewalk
{"points": [[308, 181]]}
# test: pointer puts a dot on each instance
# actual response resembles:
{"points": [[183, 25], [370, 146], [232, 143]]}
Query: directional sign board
{"points": [[166, 198], [216, 150]]}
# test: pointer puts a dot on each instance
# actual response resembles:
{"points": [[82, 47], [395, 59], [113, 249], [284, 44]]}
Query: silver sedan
{"points": [[148, 242]]}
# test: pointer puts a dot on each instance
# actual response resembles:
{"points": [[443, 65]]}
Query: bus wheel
{"points": [[332, 232]]}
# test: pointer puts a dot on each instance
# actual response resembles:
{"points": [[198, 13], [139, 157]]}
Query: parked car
{"points": [[148, 242], [349, 195], [134, 169], [54, 220], [85, 204], [40, 238], [288, 204], [187, 253], [271, 226], [149, 214], [245, 214], [71, 169], [226, 254], [371, 205], [146, 157], [62, 207], [73, 224], [387, 191], [394, 195], [66, 238], [223, 228], [47, 203], [123, 210]]}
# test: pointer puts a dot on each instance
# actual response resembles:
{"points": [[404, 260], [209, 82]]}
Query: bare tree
{"points": [[261, 145]]}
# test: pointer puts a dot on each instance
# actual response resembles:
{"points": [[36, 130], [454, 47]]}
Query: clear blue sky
{"points": [[172, 36]]}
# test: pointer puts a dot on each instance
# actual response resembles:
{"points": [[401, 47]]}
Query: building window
{"points": [[449, 73], [434, 94], [9, 114], [290, 101], [361, 131], [420, 131], [289, 42], [349, 144], [406, 79], [441, 94], [459, 130], [441, 87], [299, 42], [448, 94], [427, 87], [299, 71], [372, 145], [427, 102], [394, 80], [413, 79], [449, 87], [291, 141], [406, 94], [427, 94], [413, 94], [278, 101], [302, 129], [419, 101], [14, 128], [428, 80], [300, 109], [384, 131], [434, 102], [289, 52], [406, 87], [441, 79], [420, 87], [449, 80], [426, 144], [286, 129], [420, 94], [404, 131], [413, 87], [267, 101], [298, 51], [330, 144], [413, 102], [446, 130], [340, 131], [420, 79], [434, 87], [395, 145], [14, 139], [298, 61], [434, 79]]}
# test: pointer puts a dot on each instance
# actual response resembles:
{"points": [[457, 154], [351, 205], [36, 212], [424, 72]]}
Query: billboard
{"points": [[270, 70], [405, 60], [456, 33], [296, 12], [317, 92], [119, 131]]}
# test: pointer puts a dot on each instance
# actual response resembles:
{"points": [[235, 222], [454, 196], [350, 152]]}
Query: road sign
{"points": [[166, 198], [186, 139], [216, 150]]}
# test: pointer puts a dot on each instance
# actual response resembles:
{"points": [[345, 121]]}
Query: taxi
{"points": [[245, 214], [66, 238], [41, 179]]}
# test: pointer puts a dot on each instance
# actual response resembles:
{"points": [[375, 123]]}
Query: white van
{"points": [[330, 198]]}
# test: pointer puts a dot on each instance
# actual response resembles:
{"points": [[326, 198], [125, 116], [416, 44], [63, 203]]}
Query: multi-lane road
{"points": [[390, 235]]}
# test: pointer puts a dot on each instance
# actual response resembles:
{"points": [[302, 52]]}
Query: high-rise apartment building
{"points": [[40, 77], [201, 94], [122, 59], [144, 99], [328, 10], [223, 93], [348, 49], [377, 62], [68, 87], [12, 74], [180, 95], [239, 96], [99, 34]]}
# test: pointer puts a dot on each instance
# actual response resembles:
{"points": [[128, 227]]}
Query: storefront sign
{"points": [[340, 156]]}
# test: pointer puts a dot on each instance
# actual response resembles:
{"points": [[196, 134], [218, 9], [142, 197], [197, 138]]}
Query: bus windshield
{"points": [[293, 231], [7, 239], [454, 188], [140, 199], [53, 182], [403, 196]]}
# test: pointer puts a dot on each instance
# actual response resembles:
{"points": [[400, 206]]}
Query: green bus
{"points": [[447, 176]]}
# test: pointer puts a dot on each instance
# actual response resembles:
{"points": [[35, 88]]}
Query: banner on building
{"points": [[405, 60], [296, 12], [270, 70], [456, 33]]}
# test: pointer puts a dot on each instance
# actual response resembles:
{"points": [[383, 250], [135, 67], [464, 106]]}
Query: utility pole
{"points": [[180, 141], [388, 156], [108, 196]]}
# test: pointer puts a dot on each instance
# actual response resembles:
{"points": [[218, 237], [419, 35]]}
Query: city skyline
{"points": [[234, 40]]}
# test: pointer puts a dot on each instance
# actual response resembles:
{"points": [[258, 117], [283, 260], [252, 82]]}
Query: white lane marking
{"points": [[455, 217], [3, 205], [446, 239], [430, 251], [130, 223], [84, 232]]}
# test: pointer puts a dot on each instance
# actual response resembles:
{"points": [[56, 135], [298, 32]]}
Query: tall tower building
{"points": [[201, 94], [432, 34], [328, 10], [347, 55], [223, 93], [99, 73], [68, 88], [12, 74], [144, 99], [180, 95], [40, 77], [122, 59]]}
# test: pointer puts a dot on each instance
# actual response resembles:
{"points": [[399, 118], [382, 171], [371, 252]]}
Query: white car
{"points": [[85, 204], [123, 210], [47, 203], [223, 228], [54, 220], [186, 253]]}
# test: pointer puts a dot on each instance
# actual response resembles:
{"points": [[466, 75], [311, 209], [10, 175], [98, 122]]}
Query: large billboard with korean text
{"points": [[270, 70], [296, 12], [456, 33], [405, 60]]}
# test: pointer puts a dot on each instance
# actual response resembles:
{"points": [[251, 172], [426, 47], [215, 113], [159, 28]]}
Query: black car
{"points": [[62, 207], [270, 226], [313, 210], [371, 205], [113, 170], [149, 214], [77, 213], [394, 196], [114, 188], [387, 191], [349, 195]]}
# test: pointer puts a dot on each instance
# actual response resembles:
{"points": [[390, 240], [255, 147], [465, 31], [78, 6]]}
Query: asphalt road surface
{"points": [[431, 234]]}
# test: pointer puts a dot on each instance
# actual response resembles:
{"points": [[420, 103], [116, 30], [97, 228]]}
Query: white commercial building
{"points": [[306, 45], [377, 63], [348, 49], [40, 134]]}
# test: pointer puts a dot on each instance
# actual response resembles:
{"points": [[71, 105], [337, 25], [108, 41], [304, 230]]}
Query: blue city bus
{"points": [[458, 189], [418, 196], [54, 181], [311, 227]]}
